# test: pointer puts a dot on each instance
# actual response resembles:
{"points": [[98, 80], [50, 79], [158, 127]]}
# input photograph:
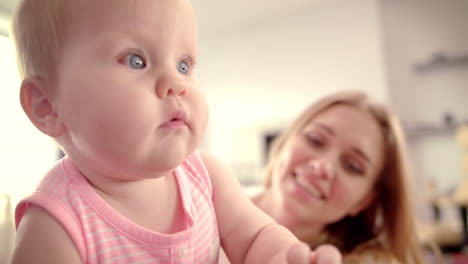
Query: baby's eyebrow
{"points": [[106, 42], [111, 37]]}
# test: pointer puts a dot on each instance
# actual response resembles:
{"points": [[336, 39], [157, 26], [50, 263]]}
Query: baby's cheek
{"points": [[201, 110]]}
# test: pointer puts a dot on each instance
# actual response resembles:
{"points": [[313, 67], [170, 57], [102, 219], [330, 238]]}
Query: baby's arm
{"points": [[247, 234], [40, 239]]}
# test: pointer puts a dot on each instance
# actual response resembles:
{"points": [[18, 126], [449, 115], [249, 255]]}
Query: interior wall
{"points": [[4, 24], [6, 8], [259, 80], [414, 31], [256, 82], [25, 153]]}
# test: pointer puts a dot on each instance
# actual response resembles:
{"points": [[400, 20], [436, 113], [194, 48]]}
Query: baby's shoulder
{"points": [[36, 227]]}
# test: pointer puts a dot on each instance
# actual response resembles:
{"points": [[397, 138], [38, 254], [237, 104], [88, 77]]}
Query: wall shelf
{"points": [[422, 129], [441, 61]]}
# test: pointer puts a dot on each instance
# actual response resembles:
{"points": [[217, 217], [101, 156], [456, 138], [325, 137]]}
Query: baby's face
{"points": [[126, 88]]}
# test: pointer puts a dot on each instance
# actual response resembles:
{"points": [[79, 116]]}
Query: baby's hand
{"points": [[325, 254]]}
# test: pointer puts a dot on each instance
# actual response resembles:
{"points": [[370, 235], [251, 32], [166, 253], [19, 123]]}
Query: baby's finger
{"points": [[327, 254], [299, 253]]}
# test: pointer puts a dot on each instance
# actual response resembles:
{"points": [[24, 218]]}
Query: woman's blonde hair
{"points": [[388, 224], [38, 29]]}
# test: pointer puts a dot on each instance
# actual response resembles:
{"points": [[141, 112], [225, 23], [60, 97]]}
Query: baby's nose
{"points": [[170, 86]]}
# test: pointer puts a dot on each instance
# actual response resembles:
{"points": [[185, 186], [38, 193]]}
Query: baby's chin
{"points": [[131, 163]]}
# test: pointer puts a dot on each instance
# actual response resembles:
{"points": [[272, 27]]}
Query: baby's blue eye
{"points": [[183, 67], [135, 61]]}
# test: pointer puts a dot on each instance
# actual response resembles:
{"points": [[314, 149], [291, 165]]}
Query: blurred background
{"points": [[262, 62]]}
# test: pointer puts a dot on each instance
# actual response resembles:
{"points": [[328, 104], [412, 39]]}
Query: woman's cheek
{"points": [[283, 165]]}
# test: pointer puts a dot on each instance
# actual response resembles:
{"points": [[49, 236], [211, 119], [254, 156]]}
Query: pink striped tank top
{"points": [[102, 235]]}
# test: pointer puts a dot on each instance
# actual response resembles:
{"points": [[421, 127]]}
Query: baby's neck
{"points": [[152, 203], [132, 191]]}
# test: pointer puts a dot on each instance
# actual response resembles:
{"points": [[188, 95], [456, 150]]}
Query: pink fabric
{"points": [[102, 235]]}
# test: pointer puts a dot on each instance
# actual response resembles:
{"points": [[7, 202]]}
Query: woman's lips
{"points": [[307, 187]]}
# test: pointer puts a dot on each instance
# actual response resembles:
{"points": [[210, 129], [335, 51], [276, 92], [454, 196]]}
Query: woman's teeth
{"points": [[308, 188]]}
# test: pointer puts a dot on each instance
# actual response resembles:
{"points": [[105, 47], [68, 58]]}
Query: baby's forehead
{"points": [[119, 11], [141, 23], [123, 7], [98, 15]]}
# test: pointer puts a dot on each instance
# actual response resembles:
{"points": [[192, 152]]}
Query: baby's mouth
{"points": [[177, 119]]}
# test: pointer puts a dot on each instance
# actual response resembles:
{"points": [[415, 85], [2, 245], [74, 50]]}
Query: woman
{"points": [[338, 175]]}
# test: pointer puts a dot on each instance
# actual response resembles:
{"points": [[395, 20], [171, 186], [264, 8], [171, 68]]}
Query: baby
{"points": [[112, 81]]}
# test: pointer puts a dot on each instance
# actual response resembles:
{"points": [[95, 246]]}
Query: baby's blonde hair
{"points": [[38, 30]]}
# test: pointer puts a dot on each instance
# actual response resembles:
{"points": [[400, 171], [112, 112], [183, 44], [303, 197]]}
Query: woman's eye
{"points": [[135, 61], [354, 167], [315, 141], [183, 67]]}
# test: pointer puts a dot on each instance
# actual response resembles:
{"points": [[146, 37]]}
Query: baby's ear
{"points": [[38, 106]]}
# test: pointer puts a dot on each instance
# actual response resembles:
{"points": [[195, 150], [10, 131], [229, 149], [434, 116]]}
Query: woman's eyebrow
{"points": [[356, 150], [325, 128]]}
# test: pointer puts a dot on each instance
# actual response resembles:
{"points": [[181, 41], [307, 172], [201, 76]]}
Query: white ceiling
{"points": [[220, 17]]}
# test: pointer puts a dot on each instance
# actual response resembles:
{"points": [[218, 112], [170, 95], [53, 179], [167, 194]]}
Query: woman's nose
{"points": [[170, 86], [322, 169]]}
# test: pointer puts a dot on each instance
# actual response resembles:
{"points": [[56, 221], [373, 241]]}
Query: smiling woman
{"points": [[338, 175]]}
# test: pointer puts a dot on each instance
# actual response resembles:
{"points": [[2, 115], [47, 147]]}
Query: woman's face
{"points": [[327, 170]]}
